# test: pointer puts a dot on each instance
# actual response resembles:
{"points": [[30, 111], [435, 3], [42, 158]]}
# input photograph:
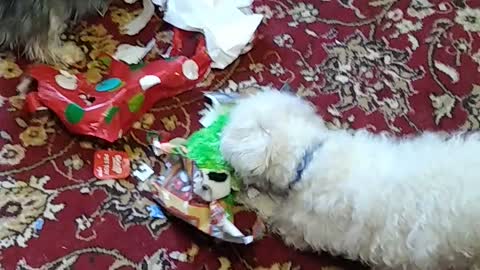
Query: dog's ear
{"points": [[247, 148]]}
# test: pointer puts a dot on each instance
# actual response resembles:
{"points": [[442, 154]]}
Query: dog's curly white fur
{"points": [[411, 203]]}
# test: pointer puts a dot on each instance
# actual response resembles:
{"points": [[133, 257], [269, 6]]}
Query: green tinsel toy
{"points": [[204, 146]]}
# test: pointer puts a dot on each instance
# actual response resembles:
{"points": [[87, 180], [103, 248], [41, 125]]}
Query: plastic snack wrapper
{"points": [[108, 109], [111, 164], [173, 189]]}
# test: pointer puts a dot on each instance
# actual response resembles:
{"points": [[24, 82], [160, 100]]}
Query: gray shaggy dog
{"points": [[36, 26]]}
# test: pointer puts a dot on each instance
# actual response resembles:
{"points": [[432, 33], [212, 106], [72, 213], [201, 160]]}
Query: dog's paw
{"points": [[263, 204], [292, 236], [70, 54], [297, 241]]}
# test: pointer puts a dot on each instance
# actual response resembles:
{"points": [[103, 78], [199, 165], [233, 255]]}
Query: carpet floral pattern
{"points": [[400, 66]]}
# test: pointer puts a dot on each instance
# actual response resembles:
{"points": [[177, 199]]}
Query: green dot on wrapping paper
{"points": [[74, 113], [136, 103], [106, 61], [135, 67], [171, 59], [110, 114]]}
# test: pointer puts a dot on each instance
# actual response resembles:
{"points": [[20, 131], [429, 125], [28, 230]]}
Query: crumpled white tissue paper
{"points": [[227, 29]]}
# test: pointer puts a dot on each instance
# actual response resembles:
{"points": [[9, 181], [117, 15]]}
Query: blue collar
{"points": [[306, 159]]}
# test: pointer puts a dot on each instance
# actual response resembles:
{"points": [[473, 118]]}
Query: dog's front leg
{"points": [[261, 203], [271, 209], [291, 235]]}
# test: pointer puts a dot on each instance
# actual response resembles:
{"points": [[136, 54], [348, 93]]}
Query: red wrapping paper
{"points": [[108, 113]]}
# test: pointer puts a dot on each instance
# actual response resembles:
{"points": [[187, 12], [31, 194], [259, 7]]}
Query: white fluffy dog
{"points": [[410, 203]]}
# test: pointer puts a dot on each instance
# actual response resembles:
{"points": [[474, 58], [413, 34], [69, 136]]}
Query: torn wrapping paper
{"points": [[38, 226], [174, 190], [108, 109], [227, 29], [141, 21], [132, 54], [155, 212], [203, 147]]}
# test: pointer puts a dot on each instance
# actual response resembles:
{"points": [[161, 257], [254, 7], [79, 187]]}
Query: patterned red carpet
{"points": [[396, 65]]}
